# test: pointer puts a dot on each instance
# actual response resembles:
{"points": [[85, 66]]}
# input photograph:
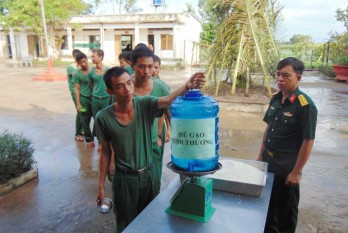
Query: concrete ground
{"points": [[62, 199]]}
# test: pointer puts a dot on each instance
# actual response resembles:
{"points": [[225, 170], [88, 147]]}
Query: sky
{"points": [[307, 17]]}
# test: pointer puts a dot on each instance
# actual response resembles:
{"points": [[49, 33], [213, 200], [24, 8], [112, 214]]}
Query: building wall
{"points": [[184, 28], [3, 45]]}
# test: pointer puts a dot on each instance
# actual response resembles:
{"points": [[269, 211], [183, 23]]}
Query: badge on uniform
{"points": [[292, 98], [288, 114], [303, 100]]}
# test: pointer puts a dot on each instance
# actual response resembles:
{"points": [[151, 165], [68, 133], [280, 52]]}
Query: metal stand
{"points": [[193, 199]]}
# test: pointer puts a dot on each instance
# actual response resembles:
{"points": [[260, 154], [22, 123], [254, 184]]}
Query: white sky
{"points": [[308, 17], [312, 17]]}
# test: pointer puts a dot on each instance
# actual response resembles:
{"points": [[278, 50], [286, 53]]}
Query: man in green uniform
{"points": [[127, 127], [83, 95], [124, 60], [144, 84], [100, 98], [287, 143], [166, 127], [70, 71]]}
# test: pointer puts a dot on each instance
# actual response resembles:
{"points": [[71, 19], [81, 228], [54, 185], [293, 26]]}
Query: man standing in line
{"points": [[70, 72], [142, 64], [127, 127], [287, 144], [100, 98], [83, 95]]}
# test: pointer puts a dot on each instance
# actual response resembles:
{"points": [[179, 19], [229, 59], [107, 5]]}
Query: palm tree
{"points": [[244, 39]]}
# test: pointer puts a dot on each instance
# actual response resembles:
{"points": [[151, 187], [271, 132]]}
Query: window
{"points": [[94, 39], [166, 42]]}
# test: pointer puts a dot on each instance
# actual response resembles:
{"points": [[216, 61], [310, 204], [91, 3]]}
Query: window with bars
{"points": [[166, 42]]}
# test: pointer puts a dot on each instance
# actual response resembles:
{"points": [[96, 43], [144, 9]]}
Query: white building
{"points": [[173, 36]]}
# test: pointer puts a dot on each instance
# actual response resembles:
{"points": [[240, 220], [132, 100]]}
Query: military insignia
{"points": [[292, 98], [288, 114], [303, 100]]}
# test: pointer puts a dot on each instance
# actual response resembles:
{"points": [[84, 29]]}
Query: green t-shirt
{"points": [[84, 82], [162, 82], [131, 143], [158, 90], [99, 87], [129, 69], [70, 72]]}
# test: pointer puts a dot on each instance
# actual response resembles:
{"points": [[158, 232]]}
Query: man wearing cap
{"points": [[287, 143]]}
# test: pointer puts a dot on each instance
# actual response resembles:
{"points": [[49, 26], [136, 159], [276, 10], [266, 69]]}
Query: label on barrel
{"points": [[193, 139]]}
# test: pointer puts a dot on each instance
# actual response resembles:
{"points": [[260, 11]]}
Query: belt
{"points": [[135, 172], [101, 98]]}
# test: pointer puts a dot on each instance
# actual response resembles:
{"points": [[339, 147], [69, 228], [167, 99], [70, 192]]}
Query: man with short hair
{"points": [[142, 59], [127, 127], [100, 98], [83, 95], [287, 143], [79, 134]]}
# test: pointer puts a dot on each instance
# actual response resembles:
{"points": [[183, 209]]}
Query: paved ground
{"points": [[63, 198]]}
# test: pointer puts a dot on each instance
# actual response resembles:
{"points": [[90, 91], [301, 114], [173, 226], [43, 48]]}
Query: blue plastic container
{"points": [[194, 131]]}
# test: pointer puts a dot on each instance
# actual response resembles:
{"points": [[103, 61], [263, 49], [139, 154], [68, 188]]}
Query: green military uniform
{"points": [[85, 100], [162, 82], [134, 181], [78, 125], [100, 98], [288, 125], [158, 90]]}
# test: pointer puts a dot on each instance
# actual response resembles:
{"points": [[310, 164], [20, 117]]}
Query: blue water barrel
{"points": [[194, 132]]}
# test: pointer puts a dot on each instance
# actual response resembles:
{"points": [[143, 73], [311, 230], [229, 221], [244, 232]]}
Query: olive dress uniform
{"points": [[78, 125], [135, 180], [288, 125], [85, 100]]}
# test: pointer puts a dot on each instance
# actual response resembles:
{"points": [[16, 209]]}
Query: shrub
{"points": [[16, 156], [327, 70]]}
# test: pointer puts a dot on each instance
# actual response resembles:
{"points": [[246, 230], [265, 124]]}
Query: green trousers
{"points": [[86, 117], [131, 194], [78, 124], [158, 158]]}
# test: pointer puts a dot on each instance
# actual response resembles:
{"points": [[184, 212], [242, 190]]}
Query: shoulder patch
{"points": [[303, 100]]}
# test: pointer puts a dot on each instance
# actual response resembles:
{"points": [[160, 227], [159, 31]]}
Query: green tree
{"points": [[213, 13], [27, 14], [300, 46], [301, 39], [130, 6], [3, 7], [342, 16], [245, 38]]}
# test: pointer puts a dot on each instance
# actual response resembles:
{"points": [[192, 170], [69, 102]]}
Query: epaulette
{"points": [[303, 100]]}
